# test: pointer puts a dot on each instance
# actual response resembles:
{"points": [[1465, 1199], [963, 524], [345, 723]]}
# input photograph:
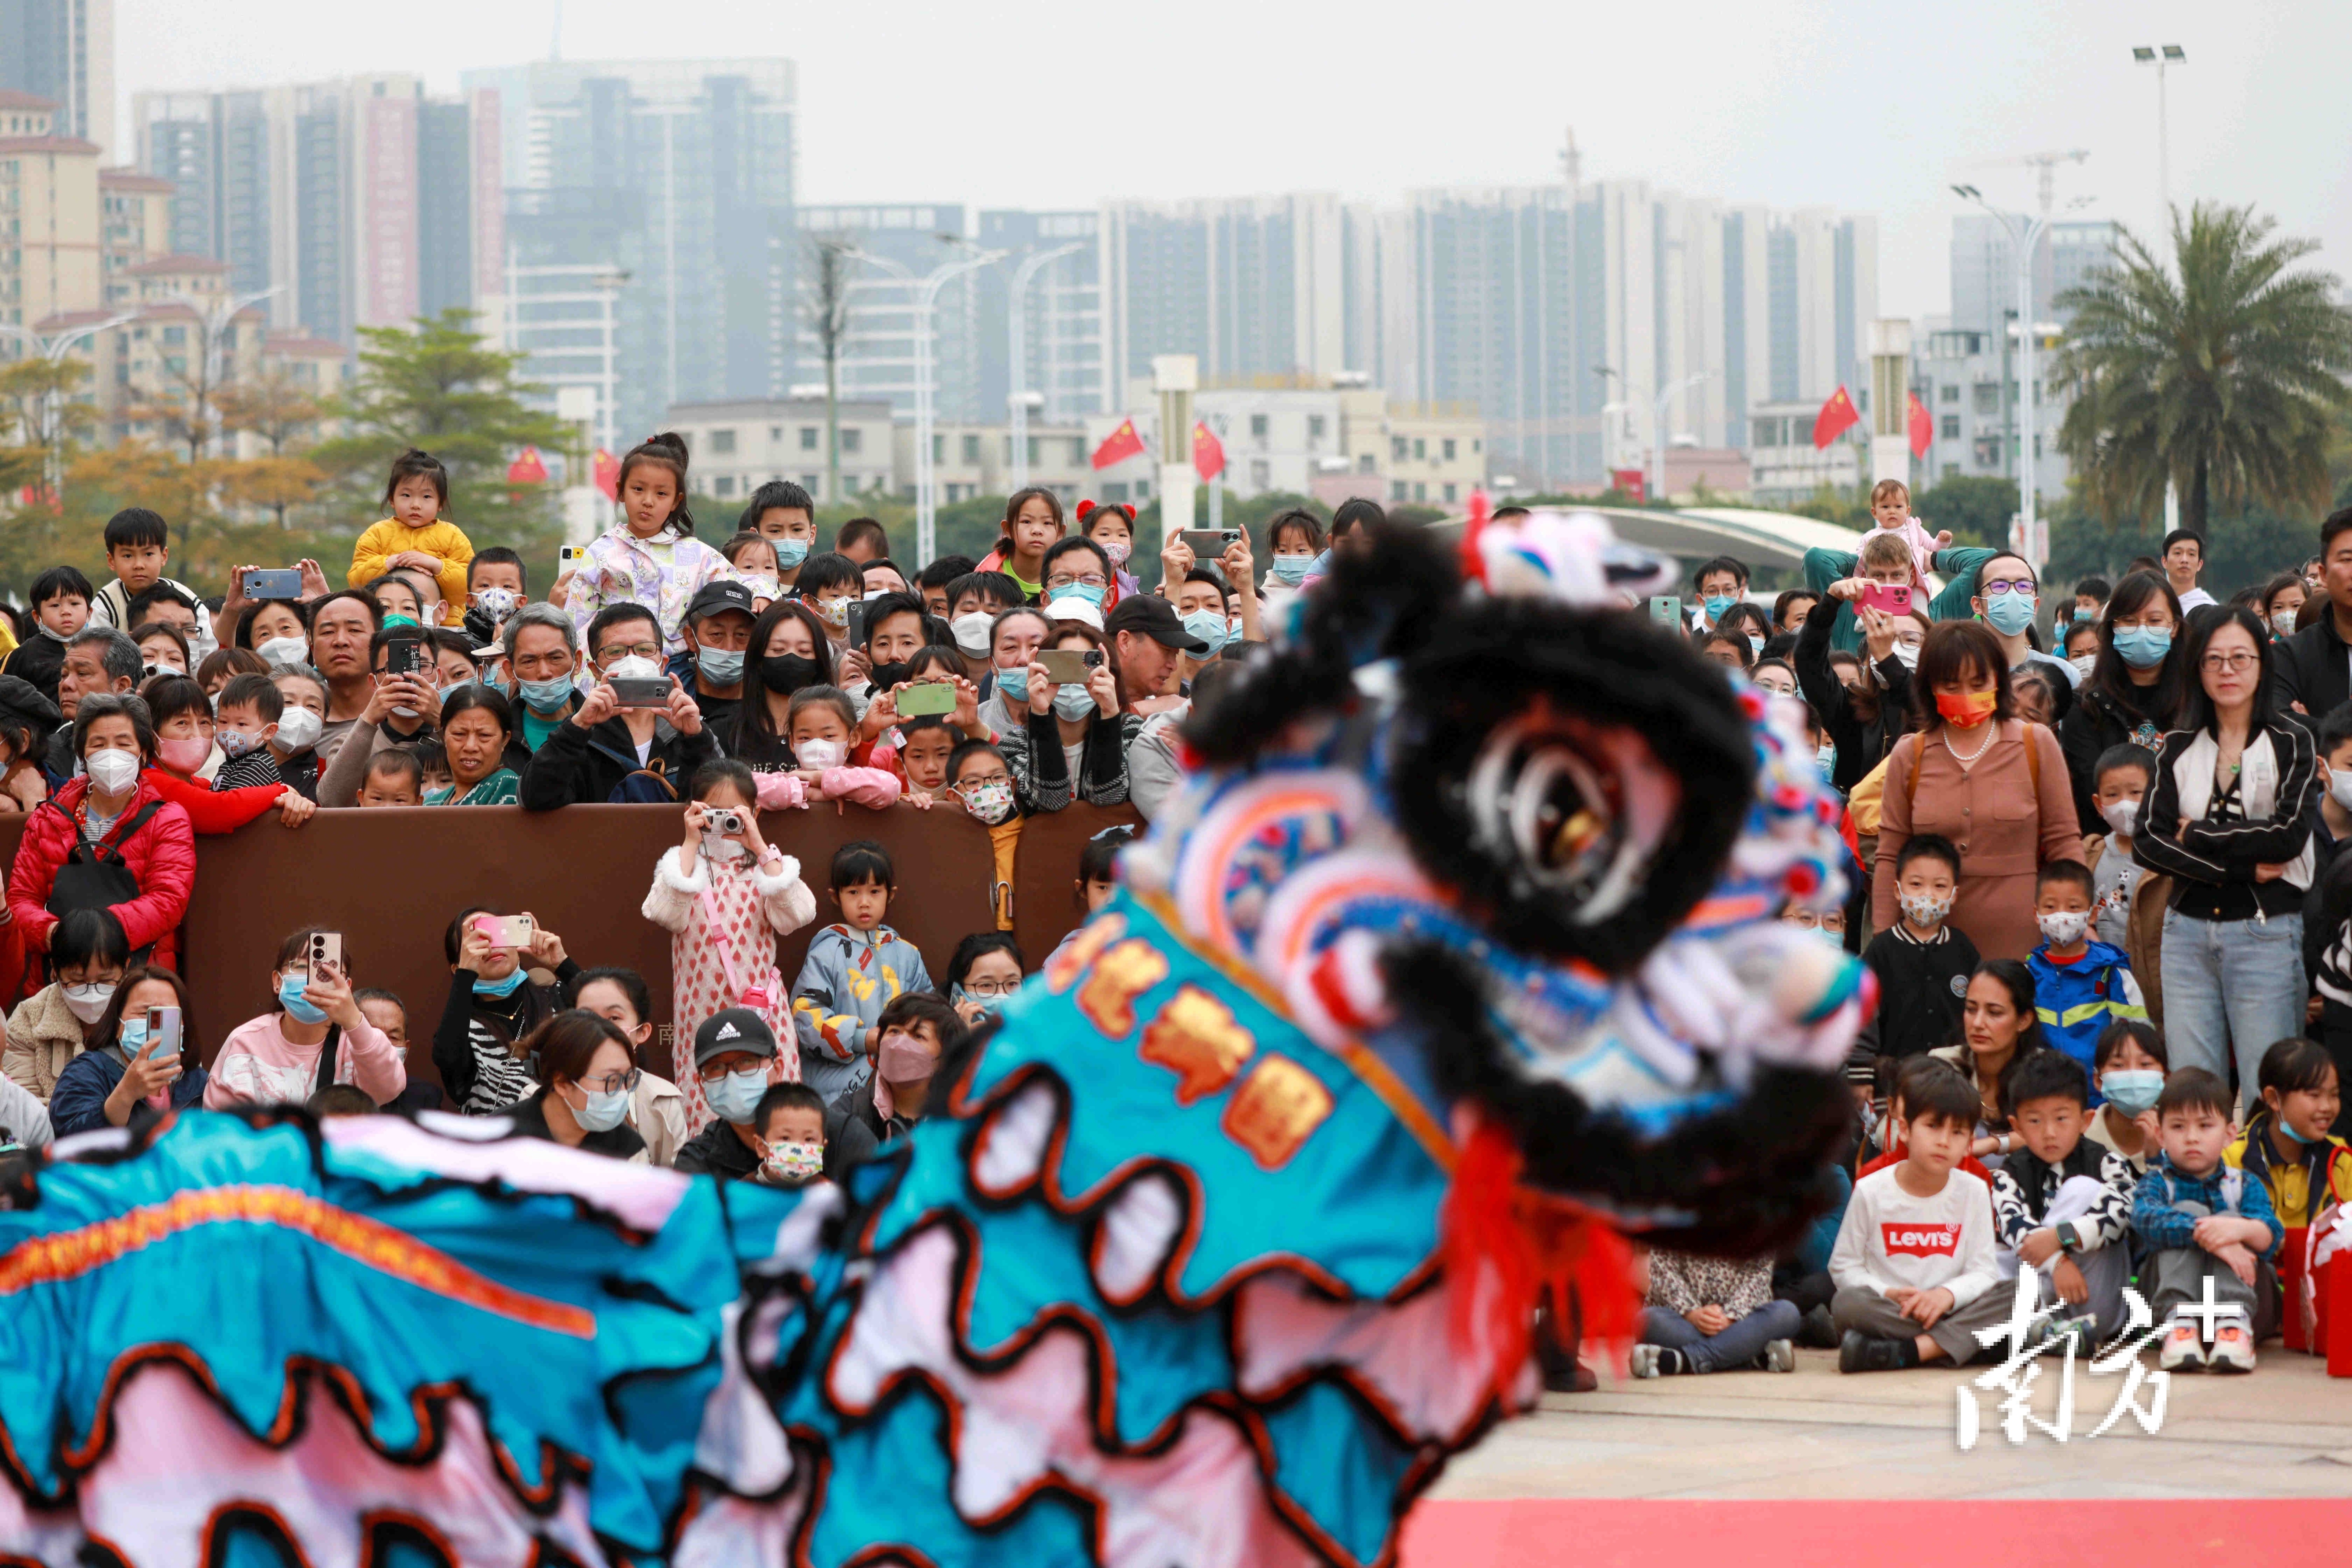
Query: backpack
{"points": [[94, 876], [640, 785]]}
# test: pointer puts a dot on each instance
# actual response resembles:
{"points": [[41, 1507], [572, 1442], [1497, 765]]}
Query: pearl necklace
{"points": [[1992, 728]]}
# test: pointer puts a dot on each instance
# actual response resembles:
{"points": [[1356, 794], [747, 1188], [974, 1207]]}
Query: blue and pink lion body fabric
{"points": [[1457, 961]]}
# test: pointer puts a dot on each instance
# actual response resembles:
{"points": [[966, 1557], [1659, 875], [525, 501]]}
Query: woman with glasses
{"points": [[2007, 595], [586, 1102], [2229, 818], [1978, 774]]}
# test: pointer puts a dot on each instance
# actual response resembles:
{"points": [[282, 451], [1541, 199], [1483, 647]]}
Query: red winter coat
{"points": [[161, 855]]}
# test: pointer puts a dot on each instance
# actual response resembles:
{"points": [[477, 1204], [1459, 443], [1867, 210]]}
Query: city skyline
{"points": [[1753, 114]]}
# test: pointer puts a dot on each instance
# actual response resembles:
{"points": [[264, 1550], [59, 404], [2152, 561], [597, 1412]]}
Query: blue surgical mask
{"points": [[1090, 593], [546, 697], [1014, 684], [133, 1036], [1073, 702], [2288, 1129], [721, 666], [790, 552], [289, 996], [992, 1005], [1755, 646], [605, 1109], [1292, 569], [506, 987], [2142, 648], [2132, 1090], [1717, 604], [2010, 613], [737, 1096], [1211, 627], [1826, 760]]}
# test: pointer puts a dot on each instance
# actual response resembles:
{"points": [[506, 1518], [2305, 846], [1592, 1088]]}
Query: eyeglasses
{"points": [[613, 1082], [2235, 663], [2021, 585], [712, 1071], [1077, 580], [991, 988], [615, 653]]}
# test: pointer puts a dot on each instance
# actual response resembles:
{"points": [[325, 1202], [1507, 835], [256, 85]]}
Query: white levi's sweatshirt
{"points": [[1891, 1240]]}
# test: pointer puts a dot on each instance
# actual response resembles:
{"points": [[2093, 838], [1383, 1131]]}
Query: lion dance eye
{"points": [[1549, 796]]}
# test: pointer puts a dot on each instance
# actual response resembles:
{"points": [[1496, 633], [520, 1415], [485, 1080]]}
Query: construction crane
{"points": [[2044, 164]]}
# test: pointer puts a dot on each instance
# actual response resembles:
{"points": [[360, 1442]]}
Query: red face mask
{"points": [[1966, 712]]}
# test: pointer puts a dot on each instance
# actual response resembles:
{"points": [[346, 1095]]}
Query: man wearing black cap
{"points": [[735, 1058], [1145, 638], [717, 633]]}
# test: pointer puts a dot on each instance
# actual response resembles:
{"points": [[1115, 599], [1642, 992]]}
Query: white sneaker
{"points": [[1779, 1355], [2182, 1350], [2233, 1347], [1643, 1361]]}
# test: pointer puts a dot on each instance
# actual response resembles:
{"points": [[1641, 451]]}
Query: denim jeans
{"points": [[1739, 1344], [2231, 988]]}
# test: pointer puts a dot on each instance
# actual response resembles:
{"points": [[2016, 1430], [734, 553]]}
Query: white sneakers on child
{"points": [[2183, 1348], [2233, 1347]]}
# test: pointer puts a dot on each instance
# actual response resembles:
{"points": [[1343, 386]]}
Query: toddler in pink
{"points": [[1890, 510]]}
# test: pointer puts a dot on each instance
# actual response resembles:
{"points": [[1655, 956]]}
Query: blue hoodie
{"points": [[2077, 999]]}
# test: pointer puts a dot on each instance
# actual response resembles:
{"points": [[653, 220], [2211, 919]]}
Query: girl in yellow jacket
{"points": [[414, 535], [2287, 1146]]}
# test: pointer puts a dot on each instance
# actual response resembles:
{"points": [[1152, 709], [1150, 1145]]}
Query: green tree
{"points": [[2224, 378], [441, 385], [1975, 508]]}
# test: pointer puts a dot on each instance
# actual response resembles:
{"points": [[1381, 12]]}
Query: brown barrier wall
{"points": [[389, 880]]}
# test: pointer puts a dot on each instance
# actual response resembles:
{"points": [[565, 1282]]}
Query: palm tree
{"points": [[2221, 379]]}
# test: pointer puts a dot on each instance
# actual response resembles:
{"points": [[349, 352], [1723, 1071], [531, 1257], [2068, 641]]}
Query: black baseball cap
{"points": [[719, 595], [1155, 618], [733, 1030]]}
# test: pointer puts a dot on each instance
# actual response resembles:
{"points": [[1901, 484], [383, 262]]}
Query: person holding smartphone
{"points": [[315, 1035], [1071, 743], [143, 1059]]}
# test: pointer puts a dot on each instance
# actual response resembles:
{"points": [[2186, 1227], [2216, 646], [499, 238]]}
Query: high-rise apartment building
{"points": [[1252, 286], [63, 51], [890, 248], [1062, 315], [1984, 268], [51, 263], [671, 180]]}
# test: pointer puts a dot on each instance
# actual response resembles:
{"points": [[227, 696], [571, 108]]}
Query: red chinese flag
{"points": [[527, 469], [1119, 446], [1923, 427], [606, 470], [1837, 417], [1208, 452]]}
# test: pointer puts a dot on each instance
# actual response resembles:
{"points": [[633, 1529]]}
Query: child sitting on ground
{"points": [[2286, 1147], [1707, 1314], [1890, 1149], [855, 967], [1913, 1264], [2202, 1220], [1922, 964], [791, 1126], [2080, 987], [2062, 1202]]}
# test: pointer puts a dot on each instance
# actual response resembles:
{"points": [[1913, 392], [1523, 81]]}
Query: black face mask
{"points": [[785, 673], [886, 676]]}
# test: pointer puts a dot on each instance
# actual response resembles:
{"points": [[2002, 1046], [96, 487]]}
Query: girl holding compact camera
{"points": [[725, 895]]}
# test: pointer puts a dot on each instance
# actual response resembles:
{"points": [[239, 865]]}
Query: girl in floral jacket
{"points": [[650, 557]]}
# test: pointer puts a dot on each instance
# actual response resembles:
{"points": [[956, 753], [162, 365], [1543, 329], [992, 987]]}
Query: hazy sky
{"points": [[1856, 104]]}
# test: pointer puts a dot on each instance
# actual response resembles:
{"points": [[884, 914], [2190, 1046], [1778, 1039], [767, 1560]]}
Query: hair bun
{"points": [[672, 440]]}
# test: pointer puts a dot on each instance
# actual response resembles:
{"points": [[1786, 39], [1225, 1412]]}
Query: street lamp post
{"points": [[1018, 331], [218, 316], [2024, 239], [1658, 424], [927, 395], [54, 349], [2163, 57]]}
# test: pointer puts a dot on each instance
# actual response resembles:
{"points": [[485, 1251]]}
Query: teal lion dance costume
{"points": [[1456, 960]]}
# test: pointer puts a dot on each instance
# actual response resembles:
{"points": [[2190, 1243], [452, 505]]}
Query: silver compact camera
{"points": [[725, 820]]}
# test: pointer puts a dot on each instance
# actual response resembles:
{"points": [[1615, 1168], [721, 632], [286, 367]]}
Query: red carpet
{"points": [[1605, 1532]]}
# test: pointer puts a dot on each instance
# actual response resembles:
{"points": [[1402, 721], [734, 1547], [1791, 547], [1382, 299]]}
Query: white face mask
{"points": [[972, 632], [1924, 909], [86, 1002], [819, 754], [2339, 789], [299, 729], [633, 666], [112, 770], [2082, 663], [2282, 624], [285, 651], [1907, 655], [2063, 928], [2121, 814]]}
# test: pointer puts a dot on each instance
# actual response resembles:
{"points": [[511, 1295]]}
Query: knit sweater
{"points": [[372, 555]]}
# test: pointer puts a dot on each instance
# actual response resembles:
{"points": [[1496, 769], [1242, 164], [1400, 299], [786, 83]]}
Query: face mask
{"points": [[834, 612], [1292, 569], [1755, 644], [990, 802], [2009, 614], [785, 673], [547, 697], [2082, 663], [496, 603], [633, 666], [1209, 627], [1826, 760], [235, 743], [883, 677], [721, 666], [1117, 549], [901, 1059], [970, 633], [790, 552], [184, 754], [605, 1110], [1924, 909], [789, 1165], [1966, 712], [2120, 814], [299, 729], [291, 987], [283, 650], [2284, 1126], [131, 1036], [506, 987], [51, 633], [2062, 928], [391, 621], [2142, 648], [735, 1097], [1072, 703], [2282, 624], [86, 1002], [819, 754], [1716, 604], [2132, 1090], [113, 771], [1907, 654], [1014, 684], [992, 1005], [1086, 591]]}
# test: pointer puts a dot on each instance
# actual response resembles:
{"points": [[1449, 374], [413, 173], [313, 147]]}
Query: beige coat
{"points": [[43, 1036], [658, 1110]]}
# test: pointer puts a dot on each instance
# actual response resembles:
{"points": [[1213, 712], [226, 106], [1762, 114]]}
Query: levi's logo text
{"points": [[1913, 1239]]}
